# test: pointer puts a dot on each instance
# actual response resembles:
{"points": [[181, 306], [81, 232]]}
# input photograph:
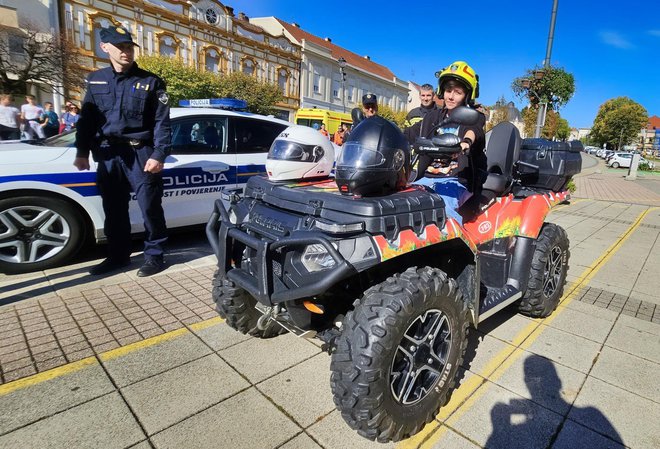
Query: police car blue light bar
{"points": [[220, 103]]}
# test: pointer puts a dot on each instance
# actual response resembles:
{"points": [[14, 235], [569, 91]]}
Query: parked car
{"points": [[48, 208], [625, 159]]}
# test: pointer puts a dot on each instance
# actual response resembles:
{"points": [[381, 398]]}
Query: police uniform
{"points": [[124, 121]]}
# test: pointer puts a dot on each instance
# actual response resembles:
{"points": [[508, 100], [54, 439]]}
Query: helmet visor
{"points": [[354, 154], [284, 150]]}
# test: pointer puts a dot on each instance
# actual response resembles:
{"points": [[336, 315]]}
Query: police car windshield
{"points": [[66, 139]]}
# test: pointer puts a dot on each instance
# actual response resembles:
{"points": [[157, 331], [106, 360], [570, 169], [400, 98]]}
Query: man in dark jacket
{"points": [[125, 124], [428, 104]]}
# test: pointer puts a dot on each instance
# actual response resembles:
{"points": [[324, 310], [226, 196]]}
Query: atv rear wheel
{"points": [[238, 307], [548, 273], [398, 354]]}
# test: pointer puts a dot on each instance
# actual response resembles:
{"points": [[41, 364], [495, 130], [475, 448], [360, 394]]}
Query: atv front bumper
{"points": [[267, 279]]}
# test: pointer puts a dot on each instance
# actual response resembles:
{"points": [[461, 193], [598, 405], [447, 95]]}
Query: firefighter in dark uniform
{"points": [[427, 104], [125, 124]]}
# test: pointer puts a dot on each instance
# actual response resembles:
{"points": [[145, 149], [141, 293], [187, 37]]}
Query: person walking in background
{"points": [[50, 123], [10, 119], [70, 117], [125, 124], [30, 115], [324, 131], [338, 138]]}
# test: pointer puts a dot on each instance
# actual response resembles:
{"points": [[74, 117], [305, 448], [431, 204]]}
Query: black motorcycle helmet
{"points": [[375, 161]]}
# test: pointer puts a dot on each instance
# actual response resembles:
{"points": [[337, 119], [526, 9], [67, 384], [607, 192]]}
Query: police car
{"points": [[48, 208]]}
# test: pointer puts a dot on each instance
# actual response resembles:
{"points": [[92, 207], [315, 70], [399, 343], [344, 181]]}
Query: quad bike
{"points": [[391, 284]]}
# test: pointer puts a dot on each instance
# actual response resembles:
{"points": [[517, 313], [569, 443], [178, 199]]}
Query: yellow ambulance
{"points": [[314, 116]]}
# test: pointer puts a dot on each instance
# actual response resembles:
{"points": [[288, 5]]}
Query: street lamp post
{"points": [[543, 107], [342, 65], [540, 117]]}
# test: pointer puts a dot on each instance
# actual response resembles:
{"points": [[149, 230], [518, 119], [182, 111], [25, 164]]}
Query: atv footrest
{"points": [[496, 299]]}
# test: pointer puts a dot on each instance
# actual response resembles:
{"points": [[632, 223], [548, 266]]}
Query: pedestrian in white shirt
{"points": [[10, 119], [31, 114]]}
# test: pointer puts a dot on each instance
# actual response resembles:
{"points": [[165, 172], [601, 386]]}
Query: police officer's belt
{"points": [[123, 141]]}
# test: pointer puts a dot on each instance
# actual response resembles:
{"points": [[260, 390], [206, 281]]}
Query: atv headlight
{"points": [[316, 258]]}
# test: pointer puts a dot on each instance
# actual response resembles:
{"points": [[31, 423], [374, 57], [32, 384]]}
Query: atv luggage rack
{"points": [[222, 234]]}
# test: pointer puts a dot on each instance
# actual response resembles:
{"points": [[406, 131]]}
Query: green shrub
{"points": [[644, 166], [571, 187]]}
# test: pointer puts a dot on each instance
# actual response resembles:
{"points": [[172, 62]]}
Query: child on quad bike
{"points": [[458, 86]]}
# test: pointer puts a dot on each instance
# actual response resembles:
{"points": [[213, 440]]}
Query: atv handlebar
{"points": [[438, 147]]}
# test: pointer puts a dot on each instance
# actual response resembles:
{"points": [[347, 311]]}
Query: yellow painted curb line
{"points": [[465, 397], [104, 356], [46, 375]]}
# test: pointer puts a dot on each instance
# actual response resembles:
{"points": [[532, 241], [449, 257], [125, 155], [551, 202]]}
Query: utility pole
{"points": [[543, 107]]}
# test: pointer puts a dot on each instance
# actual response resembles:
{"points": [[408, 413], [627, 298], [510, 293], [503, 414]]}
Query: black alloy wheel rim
{"points": [[552, 272], [420, 359]]}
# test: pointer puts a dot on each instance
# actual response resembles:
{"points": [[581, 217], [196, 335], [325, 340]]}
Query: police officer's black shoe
{"points": [[108, 265], [151, 267]]}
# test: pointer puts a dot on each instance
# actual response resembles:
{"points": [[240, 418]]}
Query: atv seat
{"points": [[502, 152]]}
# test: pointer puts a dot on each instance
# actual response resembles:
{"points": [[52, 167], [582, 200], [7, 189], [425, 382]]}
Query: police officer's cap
{"points": [[116, 35], [369, 99]]}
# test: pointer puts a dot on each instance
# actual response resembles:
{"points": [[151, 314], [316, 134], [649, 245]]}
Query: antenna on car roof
{"points": [[231, 104]]}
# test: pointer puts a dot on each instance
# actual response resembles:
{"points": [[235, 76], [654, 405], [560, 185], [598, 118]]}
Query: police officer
{"points": [[125, 124], [369, 105]]}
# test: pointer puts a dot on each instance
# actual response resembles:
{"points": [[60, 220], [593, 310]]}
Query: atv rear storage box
{"points": [[548, 165]]}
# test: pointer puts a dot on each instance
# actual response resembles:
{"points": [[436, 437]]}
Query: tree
{"points": [[618, 122], [183, 81], [555, 86], [30, 56], [549, 129], [500, 113], [186, 82], [260, 96], [563, 129], [390, 114]]}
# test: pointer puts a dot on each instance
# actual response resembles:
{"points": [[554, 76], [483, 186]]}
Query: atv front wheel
{"points": [[548, 273], [398, 354], [238, 307]]}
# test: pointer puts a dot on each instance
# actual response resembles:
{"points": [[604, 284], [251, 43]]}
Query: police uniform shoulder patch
{"points": [[163, 98]]}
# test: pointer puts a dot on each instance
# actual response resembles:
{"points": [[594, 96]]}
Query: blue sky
{"points": [[612, 48]]}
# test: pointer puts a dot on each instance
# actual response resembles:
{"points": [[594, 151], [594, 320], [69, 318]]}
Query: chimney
{"points": [[295, 25], [367, 57], [242, 16], [327, 39]]}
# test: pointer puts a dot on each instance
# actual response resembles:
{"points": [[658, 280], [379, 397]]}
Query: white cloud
{"points": [[615, 40], [654, 33]]}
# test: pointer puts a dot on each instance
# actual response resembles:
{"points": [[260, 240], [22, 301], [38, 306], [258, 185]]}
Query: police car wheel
{"points": [[37, 233]]}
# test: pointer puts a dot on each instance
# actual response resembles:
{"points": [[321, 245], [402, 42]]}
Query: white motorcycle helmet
{"points": [[300, 152]]}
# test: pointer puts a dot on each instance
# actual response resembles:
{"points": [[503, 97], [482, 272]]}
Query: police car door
{"points": [[251, 139], [198, 169]]}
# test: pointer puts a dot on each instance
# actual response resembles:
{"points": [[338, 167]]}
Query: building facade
{"points": [[649, 137], [322, 84], [36, 15], [203, 33]]}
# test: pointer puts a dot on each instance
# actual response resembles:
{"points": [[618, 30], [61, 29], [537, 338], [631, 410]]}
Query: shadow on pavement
{"points": [[182, 248], [514, 422]]}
